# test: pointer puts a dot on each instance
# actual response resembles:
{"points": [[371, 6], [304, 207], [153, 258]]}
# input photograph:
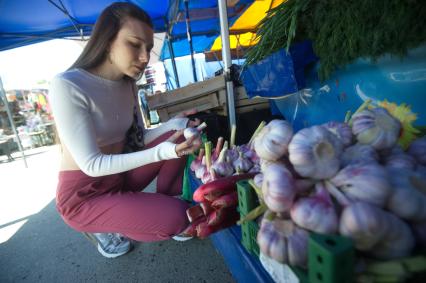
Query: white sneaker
{"points": [[110, 245]]}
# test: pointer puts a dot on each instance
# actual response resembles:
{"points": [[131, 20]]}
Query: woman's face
{"points": [[130, 50]]}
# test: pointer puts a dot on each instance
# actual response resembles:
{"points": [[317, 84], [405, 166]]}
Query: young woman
{"points": [[99, 189]]}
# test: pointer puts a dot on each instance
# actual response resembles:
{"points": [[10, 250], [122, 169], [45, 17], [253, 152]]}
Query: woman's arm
{"points": [[77, 131]]}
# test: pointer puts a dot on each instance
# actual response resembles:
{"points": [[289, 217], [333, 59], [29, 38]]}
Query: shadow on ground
{"points": [[46, 250]]}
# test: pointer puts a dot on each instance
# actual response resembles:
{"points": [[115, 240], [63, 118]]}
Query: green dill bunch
{"points": [[342, 31]]}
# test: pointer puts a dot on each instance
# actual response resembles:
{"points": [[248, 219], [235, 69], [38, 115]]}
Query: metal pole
{"points": [[12, 124], [172, 57], [226, 58], [189, 36]]}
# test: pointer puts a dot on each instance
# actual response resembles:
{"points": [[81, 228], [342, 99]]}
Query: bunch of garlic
{"points": [[315, 153], [364, 181], [417, 149], [221, 167], [408, 196], [359, 153], [316, 213], [191, 132], [341, 130], [397, 158], [271, 143], [376, 127], [278, 188], [242, 163], [282, 240]]}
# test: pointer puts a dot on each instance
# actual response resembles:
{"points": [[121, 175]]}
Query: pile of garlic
{"points": [[224, 161], [341, 178]]}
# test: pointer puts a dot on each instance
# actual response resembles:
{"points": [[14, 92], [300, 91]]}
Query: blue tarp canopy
{"points": [[25, 22]]}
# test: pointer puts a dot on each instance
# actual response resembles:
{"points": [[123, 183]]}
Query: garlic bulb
{"points": [[272, 141], [221, 167], [190, 132], [397, 158], [232, 154], [242, 164], [376, 127], [199, 171], [366, 182], [398, 240], [316, 213], [341, 130], [283, 241], [315, 152], [364, 223], [408, 196], [418, 150], [278, 188], [197, 162], [359, 153]]}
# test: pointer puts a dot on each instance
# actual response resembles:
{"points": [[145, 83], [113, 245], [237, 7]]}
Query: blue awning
{"points": [[25, 22]]}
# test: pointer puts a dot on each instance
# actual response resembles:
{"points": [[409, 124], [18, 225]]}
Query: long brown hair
{"points": [[105, 30]]}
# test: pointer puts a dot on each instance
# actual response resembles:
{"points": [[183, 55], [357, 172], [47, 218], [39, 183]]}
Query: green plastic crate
{"points": [[247, 197], [330, 259], [249, 237]]}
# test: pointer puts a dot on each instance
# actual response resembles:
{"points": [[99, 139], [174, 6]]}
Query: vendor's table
{"points": [[243, 266]]}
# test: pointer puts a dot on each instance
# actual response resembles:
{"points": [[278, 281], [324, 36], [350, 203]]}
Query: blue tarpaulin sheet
{"points": [[279, 74]]}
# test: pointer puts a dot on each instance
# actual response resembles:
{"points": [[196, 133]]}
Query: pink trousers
{"points": [[116, 203]]}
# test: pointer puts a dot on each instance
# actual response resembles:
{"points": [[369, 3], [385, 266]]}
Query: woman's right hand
{"points": [[186, 147]]}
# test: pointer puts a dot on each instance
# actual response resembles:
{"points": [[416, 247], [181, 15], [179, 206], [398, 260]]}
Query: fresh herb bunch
{"points": [[342, 30]]}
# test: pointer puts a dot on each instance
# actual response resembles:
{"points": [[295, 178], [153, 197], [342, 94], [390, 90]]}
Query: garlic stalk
{"points": [[316, 213], [233, 133], [208, 154], [278, 188], [341, 130], [190, 132], [283, 241], [218, 149], [272, 141], [256, 132], [359, 153], [376, 127], [366, 182], [315, 152], [408, 196], [418, 150]]}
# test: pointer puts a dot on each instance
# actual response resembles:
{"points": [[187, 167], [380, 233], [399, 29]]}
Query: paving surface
{"points": [[37, 246]]}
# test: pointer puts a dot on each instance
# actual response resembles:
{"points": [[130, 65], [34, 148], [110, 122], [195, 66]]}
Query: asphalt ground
{"points": [[37, 246]]}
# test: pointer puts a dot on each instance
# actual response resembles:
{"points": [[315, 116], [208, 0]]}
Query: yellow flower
{"points": [[406, 117]]}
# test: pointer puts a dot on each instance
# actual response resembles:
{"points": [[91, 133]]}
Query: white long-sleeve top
{"points": [[91, 112]]}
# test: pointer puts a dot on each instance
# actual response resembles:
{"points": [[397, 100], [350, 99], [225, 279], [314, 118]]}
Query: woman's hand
{"points": [[191, 123], [187, 147]]}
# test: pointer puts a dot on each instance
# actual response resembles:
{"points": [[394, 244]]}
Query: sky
{"points": [[24, 67]]}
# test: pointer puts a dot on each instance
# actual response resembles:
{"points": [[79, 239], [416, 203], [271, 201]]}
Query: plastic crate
{"points": [[249, 237], [247, 197], [330, 259]]}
